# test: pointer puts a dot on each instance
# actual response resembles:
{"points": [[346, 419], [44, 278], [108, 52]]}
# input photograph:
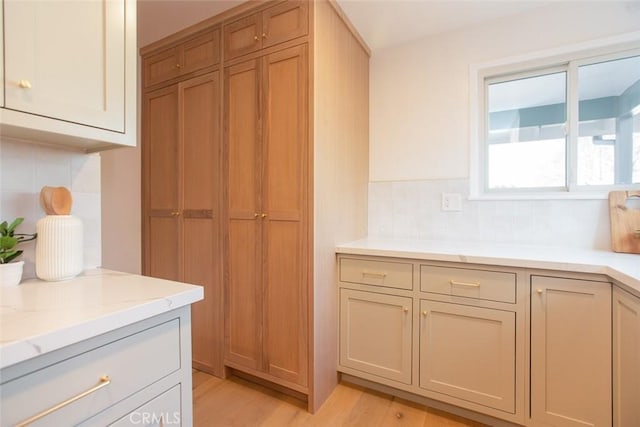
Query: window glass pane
{"points": [[526, 143], [608, 140]]}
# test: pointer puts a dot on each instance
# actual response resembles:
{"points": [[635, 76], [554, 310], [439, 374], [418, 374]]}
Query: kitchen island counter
{"points": [[38, 317]]}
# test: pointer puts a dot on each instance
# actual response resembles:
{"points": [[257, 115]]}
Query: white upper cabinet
{"points": [[69, 72]]}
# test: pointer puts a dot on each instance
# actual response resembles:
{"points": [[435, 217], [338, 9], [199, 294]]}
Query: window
{"points": [[571, 126]]}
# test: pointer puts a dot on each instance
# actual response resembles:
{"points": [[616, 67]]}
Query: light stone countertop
{"points": [[623, 268], [37, 317]]}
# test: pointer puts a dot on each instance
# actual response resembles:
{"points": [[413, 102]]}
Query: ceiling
{"points": [[384, 23]]}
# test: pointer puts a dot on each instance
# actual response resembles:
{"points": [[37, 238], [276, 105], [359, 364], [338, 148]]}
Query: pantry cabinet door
{"points": [[64, 60], [200, 136], [243, 293], [162, 227], [570, 352], [283, 215]]}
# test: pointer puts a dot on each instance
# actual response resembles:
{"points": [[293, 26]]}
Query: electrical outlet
{"points": [[451, 202]]}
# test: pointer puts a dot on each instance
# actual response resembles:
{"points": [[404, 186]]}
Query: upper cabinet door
{"points": [[286, 21], [64, 60]]}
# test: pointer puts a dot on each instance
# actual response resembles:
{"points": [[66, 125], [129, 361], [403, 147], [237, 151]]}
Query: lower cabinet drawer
{"points": [[389, 274], [130, 363], [470, 283], [375, 334]]}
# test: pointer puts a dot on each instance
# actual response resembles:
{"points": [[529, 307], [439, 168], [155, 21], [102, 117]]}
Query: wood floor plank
{"points": [[237, 402]]}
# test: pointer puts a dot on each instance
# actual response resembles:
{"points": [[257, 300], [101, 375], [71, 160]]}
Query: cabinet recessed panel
{"points": [[163, 248], [468, 353], [375, 334], [64, 60]]}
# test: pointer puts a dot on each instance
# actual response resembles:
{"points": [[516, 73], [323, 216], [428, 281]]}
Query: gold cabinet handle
{"points": [[255, 214], [25, 84], [373, 273], [256, 38], [405, 309], [264, 215], [539, 291], [424, 313], [103, 382], [264, 35], [175, 213], [178, 65], [467, 284]]}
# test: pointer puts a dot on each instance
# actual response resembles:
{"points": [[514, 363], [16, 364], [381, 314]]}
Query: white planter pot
{"points": [[59, 247], [11, 273]]}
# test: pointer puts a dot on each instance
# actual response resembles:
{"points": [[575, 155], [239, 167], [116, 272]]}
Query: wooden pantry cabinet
{"points": [[181, 205], [69, 72], [294, 111], [266, 170]]}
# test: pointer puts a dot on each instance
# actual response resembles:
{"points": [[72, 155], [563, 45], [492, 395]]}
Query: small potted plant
{"points": [[11, 272]]}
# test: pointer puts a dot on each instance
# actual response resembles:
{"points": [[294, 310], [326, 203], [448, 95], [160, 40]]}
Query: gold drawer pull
{"points": [[103, 382], [373, 273], [468, 284]]}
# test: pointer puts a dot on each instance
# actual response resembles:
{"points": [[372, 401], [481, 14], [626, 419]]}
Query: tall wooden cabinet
{"points": [[266, 177], [182, 200], [294, 109]]}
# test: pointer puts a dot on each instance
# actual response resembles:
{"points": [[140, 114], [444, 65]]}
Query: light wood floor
{"points": [[236, 402]]}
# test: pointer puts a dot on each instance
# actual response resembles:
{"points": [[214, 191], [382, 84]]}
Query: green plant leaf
{"points": [[7, 242], [10, 256], [16, 222], [3, 228]]}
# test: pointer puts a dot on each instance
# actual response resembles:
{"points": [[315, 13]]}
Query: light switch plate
{"points": [[451, 202]]}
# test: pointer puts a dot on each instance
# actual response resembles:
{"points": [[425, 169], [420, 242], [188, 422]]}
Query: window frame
{"points": [[567, 59]]}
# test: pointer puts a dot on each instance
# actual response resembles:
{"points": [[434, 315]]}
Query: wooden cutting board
{"points": [[625, 220]]}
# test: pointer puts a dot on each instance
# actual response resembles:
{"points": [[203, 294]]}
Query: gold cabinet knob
{"points": [[424, 313], [25, 84], [539, 291], [256, 38], [175, 213], [178, 65], [405, 309], [264, 215], [264, 35], [255, 214]]}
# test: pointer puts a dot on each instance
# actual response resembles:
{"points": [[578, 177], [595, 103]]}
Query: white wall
{"points": [[419, 130], [25, 168]]}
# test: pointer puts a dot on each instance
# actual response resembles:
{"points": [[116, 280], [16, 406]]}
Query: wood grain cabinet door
{"points": [[243, 273], [161, 180], [284, 215], [242, 36], [201, 175], [469, 353], [285, 21], [570, 352], [626, 359]]}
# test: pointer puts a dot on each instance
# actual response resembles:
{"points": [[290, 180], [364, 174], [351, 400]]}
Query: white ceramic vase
{"points": [[11, 273], [58, 247]]}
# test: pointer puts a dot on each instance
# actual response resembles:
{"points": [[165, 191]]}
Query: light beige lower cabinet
{"points": [[626, 359], [469, 353], [530, 347], [376, 334], [570, 352]]}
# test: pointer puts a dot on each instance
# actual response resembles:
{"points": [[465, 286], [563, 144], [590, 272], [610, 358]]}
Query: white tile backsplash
{"points": [[412, 209], [25, 168]]}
